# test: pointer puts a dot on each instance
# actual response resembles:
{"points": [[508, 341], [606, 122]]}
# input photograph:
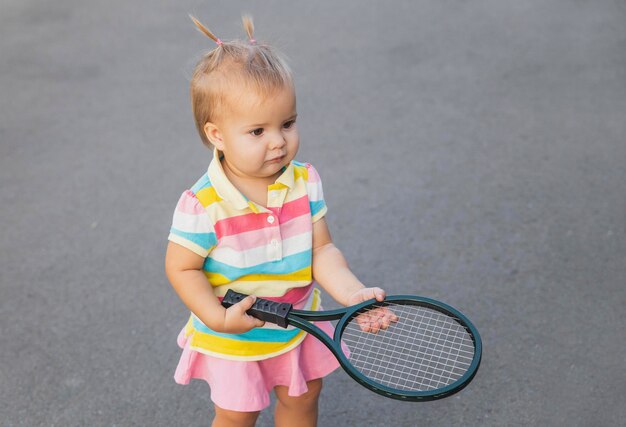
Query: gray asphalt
{"points": [[471, 151]]}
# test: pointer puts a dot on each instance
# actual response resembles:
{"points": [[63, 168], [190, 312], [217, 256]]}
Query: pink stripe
{"points": [[189, 204], [251, 222], [294, 209], [296, 226], [298, 296], [313, 175], [240, 224], [256, 238]]}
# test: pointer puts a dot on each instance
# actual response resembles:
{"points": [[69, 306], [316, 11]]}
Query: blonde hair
{"points": [[231, 64]]}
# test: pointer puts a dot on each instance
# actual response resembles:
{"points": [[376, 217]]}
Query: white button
{"points": [[274, 242], [270, 219]]}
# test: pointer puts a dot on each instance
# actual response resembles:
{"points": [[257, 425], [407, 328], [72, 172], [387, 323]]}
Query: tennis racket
{"points": [[405, 347]]}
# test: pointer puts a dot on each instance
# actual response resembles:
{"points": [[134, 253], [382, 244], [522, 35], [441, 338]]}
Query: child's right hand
{"points": [[237, 321]]}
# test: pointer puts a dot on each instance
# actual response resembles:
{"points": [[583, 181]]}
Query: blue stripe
{"points": [[253, 335], [316, 206], [204, 240], [285, 266], [203, 182]]}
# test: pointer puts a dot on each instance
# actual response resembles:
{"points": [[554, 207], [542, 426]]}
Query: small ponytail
{"points": [[205, 31], [248, 26]]}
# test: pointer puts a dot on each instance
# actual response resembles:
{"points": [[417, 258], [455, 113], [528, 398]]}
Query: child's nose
{"points": [[278, 141]]}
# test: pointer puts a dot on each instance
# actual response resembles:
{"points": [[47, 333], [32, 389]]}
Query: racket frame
{"points": [[266, 310]]}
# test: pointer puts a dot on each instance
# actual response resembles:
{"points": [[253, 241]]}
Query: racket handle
{"points": [[266, 310]]}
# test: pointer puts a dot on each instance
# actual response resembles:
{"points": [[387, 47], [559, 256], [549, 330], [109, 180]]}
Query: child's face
{"points": [[258, 135]]}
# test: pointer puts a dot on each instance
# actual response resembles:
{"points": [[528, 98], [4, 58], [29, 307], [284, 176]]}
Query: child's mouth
{"points": [[276, 159]]}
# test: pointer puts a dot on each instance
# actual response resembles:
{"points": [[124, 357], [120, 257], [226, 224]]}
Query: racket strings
{"points": [[424, 350]]}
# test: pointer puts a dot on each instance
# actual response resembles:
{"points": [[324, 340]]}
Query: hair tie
{"points": [[252, 41], [219, 42]]}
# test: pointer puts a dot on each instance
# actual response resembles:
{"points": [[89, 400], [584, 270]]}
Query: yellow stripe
{"points": [[253, 206], [300, 172], [208, 196], [277, 186], [216, 279], [304, 274]]}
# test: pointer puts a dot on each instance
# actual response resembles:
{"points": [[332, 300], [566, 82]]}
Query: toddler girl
{"points": [[254, 223]]}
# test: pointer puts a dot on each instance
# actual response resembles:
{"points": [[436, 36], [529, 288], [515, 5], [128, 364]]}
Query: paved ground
{"points": [[472, 151]]}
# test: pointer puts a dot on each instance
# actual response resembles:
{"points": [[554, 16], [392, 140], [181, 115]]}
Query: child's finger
{"points": [[373, 321], [379, 294], [364, 322], [389, 317], [368, 293], [385, 321], [374, 324], [245, 304], [257, 322]]}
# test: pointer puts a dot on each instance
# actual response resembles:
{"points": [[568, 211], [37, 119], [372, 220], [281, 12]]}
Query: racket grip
{"points": [[266, 310]]}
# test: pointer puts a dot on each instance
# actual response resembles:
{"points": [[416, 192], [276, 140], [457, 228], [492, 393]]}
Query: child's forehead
{"points": [[247, 100], [251, 95]]}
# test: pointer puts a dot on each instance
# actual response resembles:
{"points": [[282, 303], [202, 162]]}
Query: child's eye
{"points": [[289, 124], [257, 132]]}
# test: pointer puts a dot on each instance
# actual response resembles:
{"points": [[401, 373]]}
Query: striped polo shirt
{"points": [[264, 251]]}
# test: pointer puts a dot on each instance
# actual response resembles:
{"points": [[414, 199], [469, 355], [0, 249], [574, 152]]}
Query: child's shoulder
{"points": [[305, 170], [203, 191], [202, 183], [304, 167]]}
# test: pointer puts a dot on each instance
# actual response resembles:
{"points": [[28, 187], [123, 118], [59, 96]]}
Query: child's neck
{"points": [[253, 188]]}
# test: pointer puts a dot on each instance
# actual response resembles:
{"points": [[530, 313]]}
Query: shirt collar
{"points": [[286, 178], [227, 191]]}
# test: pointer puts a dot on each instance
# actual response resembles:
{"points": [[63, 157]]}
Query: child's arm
{"points": [[331, 270], [184, 271]]}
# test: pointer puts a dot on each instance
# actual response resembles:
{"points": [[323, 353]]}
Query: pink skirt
{"points": [[245, 386]]}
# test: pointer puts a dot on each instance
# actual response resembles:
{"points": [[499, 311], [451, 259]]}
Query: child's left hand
{"points": [[373, 320]]}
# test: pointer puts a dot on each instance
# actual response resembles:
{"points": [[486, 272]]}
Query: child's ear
{"points": [[214, 135]]}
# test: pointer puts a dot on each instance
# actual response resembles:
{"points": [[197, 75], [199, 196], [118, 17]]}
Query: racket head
{"points": [[431, 352]]}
